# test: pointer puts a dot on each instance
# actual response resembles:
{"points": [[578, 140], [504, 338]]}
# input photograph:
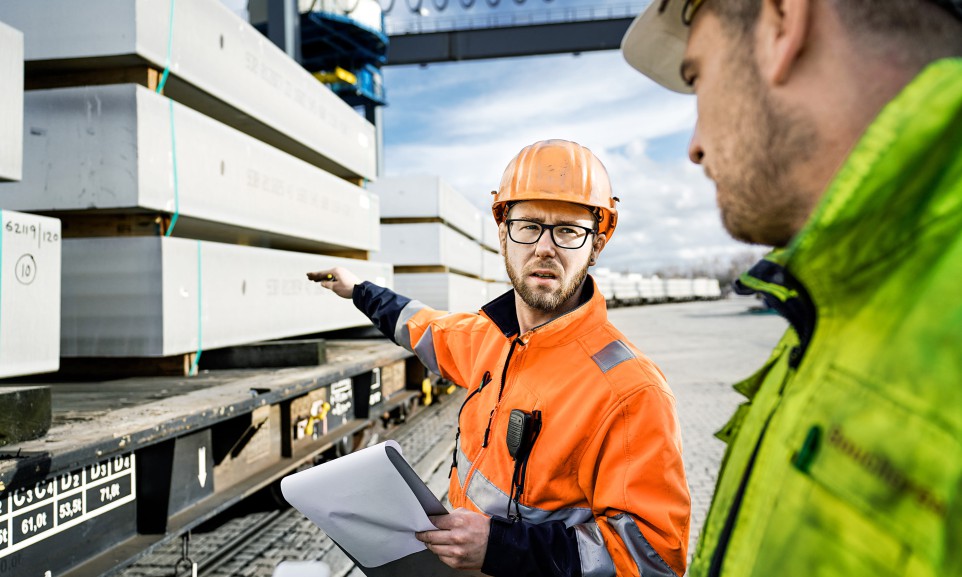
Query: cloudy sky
{"points": [[464, 121]]}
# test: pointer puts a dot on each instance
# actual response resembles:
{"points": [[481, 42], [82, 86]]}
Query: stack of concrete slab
{"points": [[492, 268], [30, 259], [150, 297], [219, 65], [109, 148], [189, 213], [29, 244], [450, 292], [11, 102], [430, 245], [433, 236]]}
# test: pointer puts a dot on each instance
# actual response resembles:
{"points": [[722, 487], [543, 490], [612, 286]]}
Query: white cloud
{"points": [[465, 121]]}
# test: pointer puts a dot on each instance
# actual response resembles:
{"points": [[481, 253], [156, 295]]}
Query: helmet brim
{"points": [[655, 44]]}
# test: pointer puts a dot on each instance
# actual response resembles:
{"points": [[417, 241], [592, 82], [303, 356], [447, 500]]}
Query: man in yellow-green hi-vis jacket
{"points": [[833, 132]]}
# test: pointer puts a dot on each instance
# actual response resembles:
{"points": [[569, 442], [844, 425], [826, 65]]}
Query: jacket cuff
{"points": [[522, 548], [381, 305]]}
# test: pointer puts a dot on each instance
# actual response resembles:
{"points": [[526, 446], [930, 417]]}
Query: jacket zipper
{"points": [[485, 379], [718, 557], [504, 375]]}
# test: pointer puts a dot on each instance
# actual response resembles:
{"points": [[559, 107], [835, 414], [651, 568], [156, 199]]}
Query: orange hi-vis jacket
{"points": [[604, 489]]}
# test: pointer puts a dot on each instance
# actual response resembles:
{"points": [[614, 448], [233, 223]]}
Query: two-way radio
{"points": [[523, 431]]}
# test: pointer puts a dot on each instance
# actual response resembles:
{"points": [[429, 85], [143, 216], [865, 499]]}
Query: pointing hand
{"points": [[338, 279]]}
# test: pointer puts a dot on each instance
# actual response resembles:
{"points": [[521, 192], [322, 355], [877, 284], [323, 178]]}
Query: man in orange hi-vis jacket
{"points": [[568, 459]]}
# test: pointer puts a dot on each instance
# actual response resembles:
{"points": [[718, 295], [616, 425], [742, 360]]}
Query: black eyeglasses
{"points": [[569, 236]]}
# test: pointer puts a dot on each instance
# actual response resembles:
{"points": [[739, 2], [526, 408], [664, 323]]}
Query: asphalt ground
{"points": [[702, 347]]}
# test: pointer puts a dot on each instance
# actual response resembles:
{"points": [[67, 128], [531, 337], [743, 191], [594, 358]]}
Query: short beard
{"points": [[764, 203], [544, 301]]}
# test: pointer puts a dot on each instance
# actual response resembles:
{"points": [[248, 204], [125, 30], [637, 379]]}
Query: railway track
{"points": [[258, 534]]}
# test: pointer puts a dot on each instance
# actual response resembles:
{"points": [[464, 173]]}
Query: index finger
{"points": [[322, 275]]}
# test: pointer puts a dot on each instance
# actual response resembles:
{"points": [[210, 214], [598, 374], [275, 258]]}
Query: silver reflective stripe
{"points": [[464, 465], [612, 355], [425, 351], [595, 559], [650, 563], [493, 501], [402, 335]]}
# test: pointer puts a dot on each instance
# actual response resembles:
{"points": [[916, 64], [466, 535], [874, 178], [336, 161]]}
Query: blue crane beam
{"points": [[506, 42]]}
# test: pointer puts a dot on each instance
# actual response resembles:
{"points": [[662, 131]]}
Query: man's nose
{"points": [[545, 245], [695, 152]]}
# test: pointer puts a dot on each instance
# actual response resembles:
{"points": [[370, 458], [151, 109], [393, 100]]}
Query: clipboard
{"points": [[370, 503]]}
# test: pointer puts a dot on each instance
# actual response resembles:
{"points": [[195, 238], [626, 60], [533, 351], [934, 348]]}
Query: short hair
{"points": [[920, 30]]}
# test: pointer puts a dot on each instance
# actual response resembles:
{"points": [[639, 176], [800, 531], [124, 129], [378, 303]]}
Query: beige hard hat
{"points": [[558, 170], [655, 42]]}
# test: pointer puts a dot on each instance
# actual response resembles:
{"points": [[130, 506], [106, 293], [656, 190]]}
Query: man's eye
{"points": [[568, 231], [530, 226]]}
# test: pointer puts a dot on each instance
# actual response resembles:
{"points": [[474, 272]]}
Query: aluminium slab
{"points": [[420, 196], [429, 244], [11, 102], [443, 291], [127, 147], [219, 64], [30, 253], [152, 297]]}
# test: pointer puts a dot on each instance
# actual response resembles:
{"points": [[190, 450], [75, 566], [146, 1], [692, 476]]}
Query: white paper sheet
{"points": [[363, 503]]}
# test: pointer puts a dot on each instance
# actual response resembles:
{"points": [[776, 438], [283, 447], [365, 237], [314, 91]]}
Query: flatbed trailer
{"points": [[130, 464]]}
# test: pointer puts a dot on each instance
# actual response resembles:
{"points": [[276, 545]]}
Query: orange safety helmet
{"points": [[558, 170]]}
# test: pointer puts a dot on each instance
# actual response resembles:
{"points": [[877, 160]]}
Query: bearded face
{"points": [[546, 276]]}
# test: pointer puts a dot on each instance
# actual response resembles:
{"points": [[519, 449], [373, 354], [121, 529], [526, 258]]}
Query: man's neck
{"points": [[530, 318]]}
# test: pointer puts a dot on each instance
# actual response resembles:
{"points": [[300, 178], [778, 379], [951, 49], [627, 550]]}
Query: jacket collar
{"points": [[592, 312]]}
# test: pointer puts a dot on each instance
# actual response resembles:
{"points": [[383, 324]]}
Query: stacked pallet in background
{"points": [[243, 152], [432, 235], [625, 289]]}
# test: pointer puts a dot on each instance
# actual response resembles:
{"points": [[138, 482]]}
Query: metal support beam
{"points": [[284, 26], [584, 36]]}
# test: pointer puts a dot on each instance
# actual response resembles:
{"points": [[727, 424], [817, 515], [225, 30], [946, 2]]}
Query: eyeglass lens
{"points": [[564, 236]]}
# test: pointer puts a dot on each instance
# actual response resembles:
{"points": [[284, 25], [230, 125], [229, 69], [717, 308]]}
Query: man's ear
{"points": [[503, 237], [597, 246], [781, 36]]}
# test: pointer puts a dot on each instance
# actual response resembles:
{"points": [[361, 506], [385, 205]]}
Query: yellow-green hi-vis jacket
{"points": [[847, 457]]}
